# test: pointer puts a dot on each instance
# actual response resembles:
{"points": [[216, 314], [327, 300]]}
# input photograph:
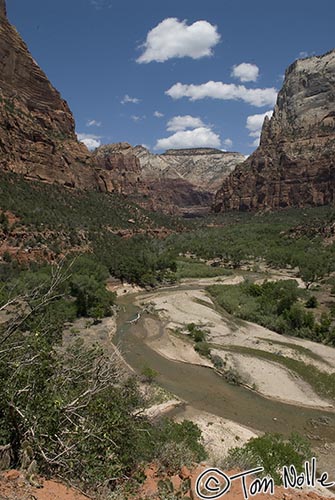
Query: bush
{"points": [[272, 452], [149, 374], [312, 302], [203, 349], [196, 333], [217, 361]]}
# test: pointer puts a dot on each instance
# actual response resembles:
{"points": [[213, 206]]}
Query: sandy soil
{"points": [[179, 307], [86, 330], [263, 376], [219, 434], [123, 288], [172, 347], [161, 409]]}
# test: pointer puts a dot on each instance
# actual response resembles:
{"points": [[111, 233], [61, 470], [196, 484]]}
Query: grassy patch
{"points": [[299, 348]]}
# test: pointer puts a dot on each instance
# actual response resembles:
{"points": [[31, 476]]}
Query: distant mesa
{"points": [[294, 166], [203, 167]]}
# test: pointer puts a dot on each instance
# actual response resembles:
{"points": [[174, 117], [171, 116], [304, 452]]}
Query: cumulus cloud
{"points": [[91, 141], [228, 143], [178, 123], [93, 123], [158, 114], [254, 125], [173, 38], [136, 118], [101, 4], [245, 72], [303, 54], [225, 91], [197, 138], [127, 99]]}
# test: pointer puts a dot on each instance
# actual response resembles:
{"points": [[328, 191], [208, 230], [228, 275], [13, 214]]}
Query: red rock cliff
{"points": [[295, 162], [37, 133], [37, 129]]}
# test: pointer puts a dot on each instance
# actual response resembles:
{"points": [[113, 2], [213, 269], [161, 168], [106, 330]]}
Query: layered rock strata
{"points": [[294, 166]]}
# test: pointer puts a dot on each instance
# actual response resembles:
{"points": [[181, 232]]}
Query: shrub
{"points": [[272, 452], [312, 302], [149, 374], [202, 348]]}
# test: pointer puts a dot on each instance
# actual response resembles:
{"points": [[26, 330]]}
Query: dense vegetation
{"points": [[82, 293], [55, 207], [123, 236], [280, 306], [73, 410], [117, 232], [290, 238]]}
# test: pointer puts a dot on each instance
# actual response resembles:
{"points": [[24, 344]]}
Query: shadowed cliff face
{"points": [[295, 162], [37, 133], [2, 8], [37, 129]]}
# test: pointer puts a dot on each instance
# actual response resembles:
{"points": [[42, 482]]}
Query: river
{"points": [[204, 390]]}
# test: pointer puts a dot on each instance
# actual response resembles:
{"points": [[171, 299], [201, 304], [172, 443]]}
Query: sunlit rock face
{"points": [[295, 162]]}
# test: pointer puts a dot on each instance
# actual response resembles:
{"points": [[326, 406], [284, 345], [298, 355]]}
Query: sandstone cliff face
{"points": [[37, 129], [122, 169], [2, 9], [203, 167], [154, 192], [295, 162], [37, 136]]}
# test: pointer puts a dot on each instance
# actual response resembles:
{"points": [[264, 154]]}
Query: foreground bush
{"points": [[272, 452], [74, 411]]}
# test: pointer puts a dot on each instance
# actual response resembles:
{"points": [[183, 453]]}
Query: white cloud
{"points": [[225, 91], [178, 123], [174, 38], [228, 143], [158, 114], [93, 123], [197, 138], [100, 4], [91, 141], [128, 99], [254, 125], [137, 118], [245, 72]]}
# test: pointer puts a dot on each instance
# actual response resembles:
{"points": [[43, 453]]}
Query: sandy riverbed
{"points": [[177, 308]]}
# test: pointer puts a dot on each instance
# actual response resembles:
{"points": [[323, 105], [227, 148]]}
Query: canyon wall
{"points": [[294, 166]]}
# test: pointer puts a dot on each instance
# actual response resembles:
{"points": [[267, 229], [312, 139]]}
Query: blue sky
{"points": [[139, 71]]}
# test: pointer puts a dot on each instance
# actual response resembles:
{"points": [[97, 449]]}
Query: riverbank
{"points": [[178, 307]]}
